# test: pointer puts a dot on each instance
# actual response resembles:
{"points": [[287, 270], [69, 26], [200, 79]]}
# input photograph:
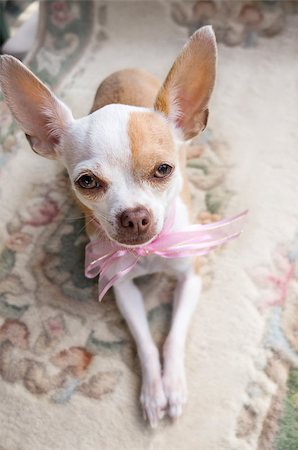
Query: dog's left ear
{"points": [[185, 94], [39, 112]]}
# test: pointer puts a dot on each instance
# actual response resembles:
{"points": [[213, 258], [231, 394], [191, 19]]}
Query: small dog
{"points": [[126, 164]]}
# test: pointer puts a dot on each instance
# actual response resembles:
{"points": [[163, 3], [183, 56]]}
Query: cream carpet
{"points": [[70, 378]]}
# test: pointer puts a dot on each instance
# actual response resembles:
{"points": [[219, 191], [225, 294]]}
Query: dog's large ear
{"points": [[185, 94], [40, 114]]}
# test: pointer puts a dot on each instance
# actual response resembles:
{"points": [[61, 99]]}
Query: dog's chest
{"points": [[153, 264]]}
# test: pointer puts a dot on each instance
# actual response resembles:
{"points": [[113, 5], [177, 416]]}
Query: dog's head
{"points": [[123, 161]]}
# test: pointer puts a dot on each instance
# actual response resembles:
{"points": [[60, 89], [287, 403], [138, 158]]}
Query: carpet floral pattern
{"points": [[56, 341]]}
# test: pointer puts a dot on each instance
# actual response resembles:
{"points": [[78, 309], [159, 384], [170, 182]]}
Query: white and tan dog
{"points": [[126, 165]]}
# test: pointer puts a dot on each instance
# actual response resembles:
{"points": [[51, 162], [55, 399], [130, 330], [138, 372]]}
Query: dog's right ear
{"points": [[40, 114]]}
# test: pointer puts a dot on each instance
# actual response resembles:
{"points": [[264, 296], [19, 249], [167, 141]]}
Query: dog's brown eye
{"points": [[88, 182], [163, 171]]}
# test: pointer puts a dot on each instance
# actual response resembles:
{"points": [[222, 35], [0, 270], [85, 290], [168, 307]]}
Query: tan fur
{"points": [[150, 139], [129, 87], [34, 106], [151, 142], [162, 102], [186, 91]]}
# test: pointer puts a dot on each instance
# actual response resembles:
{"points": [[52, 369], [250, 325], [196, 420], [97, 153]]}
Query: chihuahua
{"points": [[126, 164]]}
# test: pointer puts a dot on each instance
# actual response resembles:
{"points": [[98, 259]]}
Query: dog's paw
{"points": [[153, 401], [175, 388]]}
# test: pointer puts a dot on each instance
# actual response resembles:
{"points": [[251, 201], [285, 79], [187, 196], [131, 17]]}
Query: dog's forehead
{"points": [[120, 134], [150, 139]]}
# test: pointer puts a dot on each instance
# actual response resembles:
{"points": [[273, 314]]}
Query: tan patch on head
{"points": [[151, 143]]}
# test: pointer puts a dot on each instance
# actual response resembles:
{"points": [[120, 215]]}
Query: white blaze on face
{"points": [[121, 145]]}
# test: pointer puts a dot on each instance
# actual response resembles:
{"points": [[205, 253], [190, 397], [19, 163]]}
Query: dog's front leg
{"points": [[131, 306], [185, 300]]}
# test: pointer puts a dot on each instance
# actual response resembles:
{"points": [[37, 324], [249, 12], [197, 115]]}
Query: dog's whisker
{"points": [[92, 218], [75, 218], [105, 218], [89, 216], [85, 225]]}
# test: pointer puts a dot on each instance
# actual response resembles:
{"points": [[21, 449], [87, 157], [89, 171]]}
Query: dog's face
{"points": [[123, 161], [123, 165]]}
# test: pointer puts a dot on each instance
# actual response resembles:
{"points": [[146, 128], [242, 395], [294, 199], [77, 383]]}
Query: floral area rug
{"points": [[69, 374]]}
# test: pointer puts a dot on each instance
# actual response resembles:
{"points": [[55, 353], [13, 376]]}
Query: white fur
{"points": [[100, 143]]}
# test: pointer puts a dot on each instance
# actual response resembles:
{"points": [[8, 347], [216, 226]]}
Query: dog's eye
{"points": [[163, 170], [88, 182]]}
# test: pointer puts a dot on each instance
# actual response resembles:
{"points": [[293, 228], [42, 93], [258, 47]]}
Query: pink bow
{"points": [[112, 261]]}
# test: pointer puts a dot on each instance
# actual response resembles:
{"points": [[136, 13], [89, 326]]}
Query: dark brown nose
{"points": [[135, 220]]}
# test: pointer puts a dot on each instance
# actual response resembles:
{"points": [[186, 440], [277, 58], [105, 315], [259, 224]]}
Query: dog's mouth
{"points": [[133, 241]]}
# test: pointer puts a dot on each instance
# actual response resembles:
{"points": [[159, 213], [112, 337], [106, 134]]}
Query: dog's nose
{"points": [[135, 220]]}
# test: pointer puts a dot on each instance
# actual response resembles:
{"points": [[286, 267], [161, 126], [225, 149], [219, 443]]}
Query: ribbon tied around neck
{"points": [[111, 261]]}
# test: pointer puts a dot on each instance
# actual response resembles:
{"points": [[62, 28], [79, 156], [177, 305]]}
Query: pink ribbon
{"points": [[112, 261]]}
